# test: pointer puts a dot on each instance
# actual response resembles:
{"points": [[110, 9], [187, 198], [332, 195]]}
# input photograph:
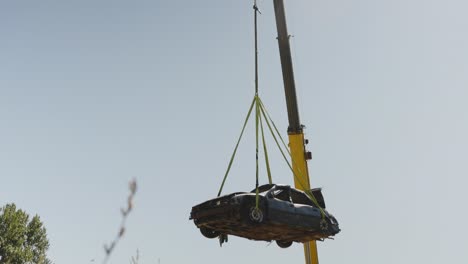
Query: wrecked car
{"points": [[284, 214]]}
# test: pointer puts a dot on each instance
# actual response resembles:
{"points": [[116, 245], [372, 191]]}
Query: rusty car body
{"points": [[284, 214]]}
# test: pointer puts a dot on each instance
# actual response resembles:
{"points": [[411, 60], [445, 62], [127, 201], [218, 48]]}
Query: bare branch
{"points": [[108, 249]]}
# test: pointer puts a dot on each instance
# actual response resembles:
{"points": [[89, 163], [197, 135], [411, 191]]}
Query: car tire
{"points": [[283, 244], [209, 233], [256, 215], [250, 214]]}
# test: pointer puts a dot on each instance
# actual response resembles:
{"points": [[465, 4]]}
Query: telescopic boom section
{"points": [[296, 135], [287, 68]]}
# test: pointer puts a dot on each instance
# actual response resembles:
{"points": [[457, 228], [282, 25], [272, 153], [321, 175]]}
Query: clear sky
{"points": [[94, 93]]}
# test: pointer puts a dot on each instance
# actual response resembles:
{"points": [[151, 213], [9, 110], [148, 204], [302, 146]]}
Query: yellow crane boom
{"points": [[295, 129]]}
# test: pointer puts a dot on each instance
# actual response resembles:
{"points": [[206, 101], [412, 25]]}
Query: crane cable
{"points": [[236, 147], [257, 105], [258, 122]]}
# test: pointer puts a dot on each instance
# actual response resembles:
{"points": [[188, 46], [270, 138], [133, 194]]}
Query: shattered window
{"points": [[300, 198]]}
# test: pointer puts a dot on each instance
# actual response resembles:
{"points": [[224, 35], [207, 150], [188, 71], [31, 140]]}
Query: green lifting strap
{"points": [[235, 149], [260, 110], [259, 124], [274, 126], [257, 119], [303, 186], [267, 162]]}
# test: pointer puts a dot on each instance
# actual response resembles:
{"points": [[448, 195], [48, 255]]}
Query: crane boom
{"points": [[295, 129]]}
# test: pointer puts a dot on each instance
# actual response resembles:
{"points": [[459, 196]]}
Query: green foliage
{"points": [[22, 241]]}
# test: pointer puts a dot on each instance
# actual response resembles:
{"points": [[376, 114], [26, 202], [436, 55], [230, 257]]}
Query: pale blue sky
{"points": [[94, 93]]}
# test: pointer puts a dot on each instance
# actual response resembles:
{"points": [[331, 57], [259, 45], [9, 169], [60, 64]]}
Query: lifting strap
{"points": [[235, 149], [267, 162], [296, 176], [260, 111]]}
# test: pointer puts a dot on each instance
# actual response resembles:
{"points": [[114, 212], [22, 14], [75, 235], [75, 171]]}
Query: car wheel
{"points": [[209, 233], [283, 244], [256, 214], [250, 214]]}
